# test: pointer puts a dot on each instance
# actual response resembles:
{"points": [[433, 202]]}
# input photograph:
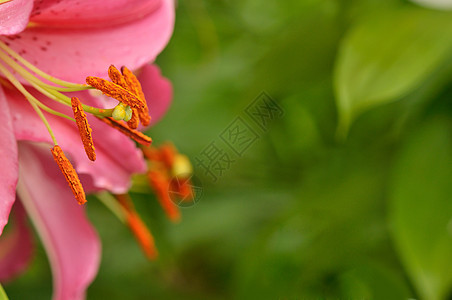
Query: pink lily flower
{"points": [[70, 40]]}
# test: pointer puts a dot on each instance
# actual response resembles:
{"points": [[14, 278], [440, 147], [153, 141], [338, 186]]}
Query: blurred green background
{"points": [[345, 196]]}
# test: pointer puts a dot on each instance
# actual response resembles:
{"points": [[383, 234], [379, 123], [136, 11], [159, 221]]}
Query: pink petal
{"points": [[157, 90], [89, 13], [8, 162], [14, 16], [16, 245], [74, 54], [117, 156], [70, 241]]}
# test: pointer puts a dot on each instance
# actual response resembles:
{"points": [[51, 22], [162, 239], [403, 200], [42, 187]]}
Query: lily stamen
{"points": [[32, 78], [122, 207], [39, 72], [125, 88], [169, 171], [31, 99], [135, 86], [136, 225], [161, 184], [117, 77], [84, 128], [142, 235], [135, 135], [65, 166], [69, 173], [52, 92], [115, 91], [15, 83]]}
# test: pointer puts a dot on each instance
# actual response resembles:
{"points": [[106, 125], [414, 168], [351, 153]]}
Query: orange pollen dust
{"points": [[135, 87], [132, 133], [84, 128], [138, 227], [119, 79], [130, 82], [69, 173], [115, 91], [134, 120]]}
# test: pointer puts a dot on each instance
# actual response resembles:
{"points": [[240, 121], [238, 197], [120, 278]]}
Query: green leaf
{"points": [[370, 280], [3, 294], [387, 56], [421, 208]]}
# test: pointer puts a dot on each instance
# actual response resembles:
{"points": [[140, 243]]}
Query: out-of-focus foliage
{"points": [[2, 294], [421, 206], [347, 196], [389, 55]]}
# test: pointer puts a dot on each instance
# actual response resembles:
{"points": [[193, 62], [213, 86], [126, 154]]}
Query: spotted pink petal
{"points": [[157, 90], [90, 13], [71, 243], [117, 156], [74, 54], [8, 161], [16, 245], [14, 16]]}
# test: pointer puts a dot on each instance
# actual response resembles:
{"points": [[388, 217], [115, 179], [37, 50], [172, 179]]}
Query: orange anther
{"points": [[69, 173], [129, 85], [115, 91], [135, 87], [161, 185], [142, 235], [117, 77], [138, 227], [83, 128], [135, 120], [132, 133]]}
